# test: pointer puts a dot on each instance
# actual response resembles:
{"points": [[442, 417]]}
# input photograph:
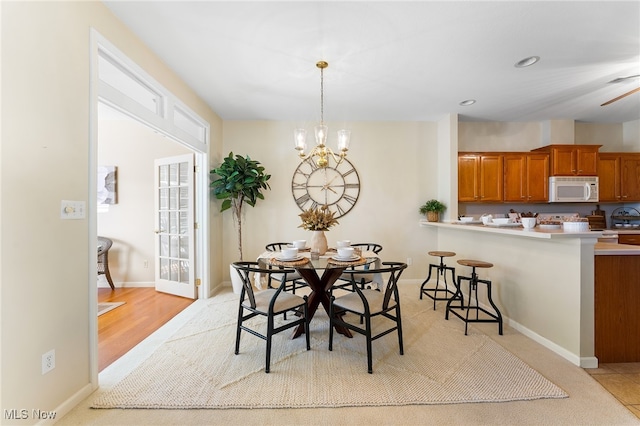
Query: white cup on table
{"points": [[343, 243], [300, 244], [345, 252], [289, 253]]}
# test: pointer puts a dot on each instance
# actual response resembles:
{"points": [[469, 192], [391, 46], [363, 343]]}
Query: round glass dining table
{"points": [[330, 269]]}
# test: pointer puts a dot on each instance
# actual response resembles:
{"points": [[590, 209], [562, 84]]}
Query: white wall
{"points": [[132, 147], [525, 136], [631, 136], [45, 275]]}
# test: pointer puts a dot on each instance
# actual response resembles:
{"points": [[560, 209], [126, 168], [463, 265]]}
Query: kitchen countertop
{"points": [[600, 248], [515, 231], [622, 230], [613, 249]]}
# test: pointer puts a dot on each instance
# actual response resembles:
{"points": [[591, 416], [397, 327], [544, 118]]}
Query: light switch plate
{"points": [[72, 209]]}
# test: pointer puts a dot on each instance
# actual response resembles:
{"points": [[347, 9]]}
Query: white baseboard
{"points": [[68, 405], [139, 284], [584, 362]]}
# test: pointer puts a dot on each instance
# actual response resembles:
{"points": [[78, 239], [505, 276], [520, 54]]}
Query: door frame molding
{"points": [[100, 92]]}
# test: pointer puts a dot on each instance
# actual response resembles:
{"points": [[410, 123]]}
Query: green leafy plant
{"points": [[432, 206], [239, 180]]}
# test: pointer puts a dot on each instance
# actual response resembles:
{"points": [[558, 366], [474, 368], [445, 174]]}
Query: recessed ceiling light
{"points": [[527, 62], [468, 102]]}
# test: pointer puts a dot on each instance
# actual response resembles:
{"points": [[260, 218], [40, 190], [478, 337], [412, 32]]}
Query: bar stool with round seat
{"points": [[473, 287], [441, 270]]}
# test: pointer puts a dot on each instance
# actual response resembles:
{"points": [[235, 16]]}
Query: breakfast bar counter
{"points": [[543, 280]]}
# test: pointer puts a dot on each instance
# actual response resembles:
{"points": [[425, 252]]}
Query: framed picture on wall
{"points": [[107, 185]]}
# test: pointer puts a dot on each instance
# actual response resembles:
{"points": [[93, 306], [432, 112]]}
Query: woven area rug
{"points": [[197, 368], [104, 307]]}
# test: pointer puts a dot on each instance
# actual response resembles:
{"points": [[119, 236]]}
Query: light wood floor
{"points": [[145, 310]]}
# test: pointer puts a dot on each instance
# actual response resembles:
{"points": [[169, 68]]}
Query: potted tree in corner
{"points": [[240, 180], [432, 210]]}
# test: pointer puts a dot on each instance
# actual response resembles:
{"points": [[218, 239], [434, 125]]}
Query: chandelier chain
{"points": [[322, 95]]}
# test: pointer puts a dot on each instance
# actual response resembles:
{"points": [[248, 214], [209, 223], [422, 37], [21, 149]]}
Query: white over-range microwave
{"points": [[569, 189]]}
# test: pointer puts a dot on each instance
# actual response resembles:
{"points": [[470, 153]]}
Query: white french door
{"points": [[174, 224]]}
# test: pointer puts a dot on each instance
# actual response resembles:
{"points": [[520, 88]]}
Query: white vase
{"points": [[319, 242], [236, 281]]}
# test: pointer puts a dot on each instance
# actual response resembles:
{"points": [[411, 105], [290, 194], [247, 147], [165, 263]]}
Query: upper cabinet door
{"points": [[574, 160], [630, 182], [537, 178], [609, 175], [468, 172], [515, 179], [491, 178], [526, 177], [587, 160]]}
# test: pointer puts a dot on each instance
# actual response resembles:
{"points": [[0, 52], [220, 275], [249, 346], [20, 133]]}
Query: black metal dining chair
{"points": [[268, 303], [294, 280], [368, 304], [364, 279]]}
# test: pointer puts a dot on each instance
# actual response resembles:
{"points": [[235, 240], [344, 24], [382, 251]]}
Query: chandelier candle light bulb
{"points": [[321, 151]]}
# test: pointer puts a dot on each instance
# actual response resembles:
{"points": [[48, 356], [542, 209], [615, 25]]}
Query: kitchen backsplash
{"points": [[582, 209]]}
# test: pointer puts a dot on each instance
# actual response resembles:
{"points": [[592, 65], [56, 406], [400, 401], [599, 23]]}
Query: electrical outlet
{"points": [[48, 361], [145, 263], [409, 261]]}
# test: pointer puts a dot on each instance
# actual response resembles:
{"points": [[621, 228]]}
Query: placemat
{"points": [[358, 262], [290, 264]]}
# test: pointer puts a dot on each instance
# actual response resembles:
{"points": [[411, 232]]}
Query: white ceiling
{"points": [[399, 61]]}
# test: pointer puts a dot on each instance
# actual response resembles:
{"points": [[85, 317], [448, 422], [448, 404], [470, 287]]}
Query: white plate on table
{"points": [[346, 259], [473, 222], [289, 259], [504, 225]]}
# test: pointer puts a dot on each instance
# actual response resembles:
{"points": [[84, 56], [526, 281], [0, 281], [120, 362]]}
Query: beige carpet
{"points": [[104, 307], [196, 368]]}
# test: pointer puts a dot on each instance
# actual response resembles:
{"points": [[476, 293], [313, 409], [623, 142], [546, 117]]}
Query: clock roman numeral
{"points": [[306, 176], [303, 200], [351, 200]]}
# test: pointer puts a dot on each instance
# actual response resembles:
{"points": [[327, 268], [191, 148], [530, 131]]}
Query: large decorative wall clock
{"points": [[336, 186]]}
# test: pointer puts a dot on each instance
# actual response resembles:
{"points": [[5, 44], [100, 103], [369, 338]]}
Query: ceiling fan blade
{"points": [[637, 89]]}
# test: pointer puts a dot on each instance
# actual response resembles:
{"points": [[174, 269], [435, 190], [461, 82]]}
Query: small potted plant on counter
{"points": [[432, 210]]}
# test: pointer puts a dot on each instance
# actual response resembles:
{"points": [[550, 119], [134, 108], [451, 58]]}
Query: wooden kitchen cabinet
{"points": [[633, 239], [480, 177], [572, 160], [609, 176], [526, 177], [617, 308], [630, 180], [619, 177]]}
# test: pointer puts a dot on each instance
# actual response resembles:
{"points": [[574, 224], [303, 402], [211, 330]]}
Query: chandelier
{"points": [[321, 150]]}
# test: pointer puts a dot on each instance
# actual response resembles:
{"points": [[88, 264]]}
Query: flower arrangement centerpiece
{"points": [[318, 220]]}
